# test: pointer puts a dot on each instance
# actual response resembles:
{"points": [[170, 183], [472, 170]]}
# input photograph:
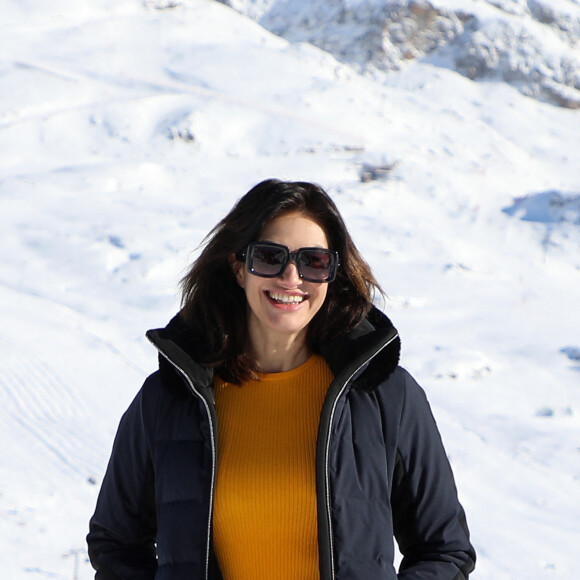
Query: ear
{"points": [[239, 270]]}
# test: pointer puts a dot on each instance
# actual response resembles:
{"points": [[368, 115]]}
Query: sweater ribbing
{"points": [[265, 500]]}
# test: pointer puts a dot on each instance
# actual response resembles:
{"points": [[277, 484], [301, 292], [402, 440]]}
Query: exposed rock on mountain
{"points": [[527, 44]]}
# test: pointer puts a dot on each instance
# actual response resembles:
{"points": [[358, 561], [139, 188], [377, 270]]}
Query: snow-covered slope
{"points": [[128, 129], [533, 44]]}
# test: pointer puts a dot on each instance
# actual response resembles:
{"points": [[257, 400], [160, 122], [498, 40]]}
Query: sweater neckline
{"points": [[290, 374]]}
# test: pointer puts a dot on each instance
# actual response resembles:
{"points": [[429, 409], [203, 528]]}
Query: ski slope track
{"points": [[127, 130], [35, 399]]}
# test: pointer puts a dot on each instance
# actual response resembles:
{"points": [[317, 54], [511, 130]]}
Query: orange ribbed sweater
{"points": [[264, 519]]}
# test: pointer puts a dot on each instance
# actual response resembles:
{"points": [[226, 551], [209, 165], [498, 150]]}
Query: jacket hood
{"points": [[372, 349]]}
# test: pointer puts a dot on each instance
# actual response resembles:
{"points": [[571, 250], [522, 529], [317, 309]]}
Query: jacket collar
{"points": [[373, 347]]}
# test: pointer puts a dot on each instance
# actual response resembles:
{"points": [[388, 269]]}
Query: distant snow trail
{"points": [[165, 86]]}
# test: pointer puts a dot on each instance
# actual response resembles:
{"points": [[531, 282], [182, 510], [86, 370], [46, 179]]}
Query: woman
{"points": [[279, 438]]}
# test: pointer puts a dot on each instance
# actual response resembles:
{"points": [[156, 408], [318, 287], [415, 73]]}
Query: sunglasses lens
{"points": [[268, 260], [315, 265]]}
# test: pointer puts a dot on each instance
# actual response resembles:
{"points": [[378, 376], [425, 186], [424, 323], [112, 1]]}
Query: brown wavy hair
{"points": [[214, 304]]}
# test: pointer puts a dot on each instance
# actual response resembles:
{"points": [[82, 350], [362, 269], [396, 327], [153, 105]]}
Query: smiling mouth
{"points": [[286, 298]]}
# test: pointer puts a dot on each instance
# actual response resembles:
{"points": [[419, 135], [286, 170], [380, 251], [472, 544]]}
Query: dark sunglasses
{"points": [[269, 260]]}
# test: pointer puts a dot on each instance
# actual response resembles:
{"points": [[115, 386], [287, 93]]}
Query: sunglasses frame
{"points": [[246, 255]]}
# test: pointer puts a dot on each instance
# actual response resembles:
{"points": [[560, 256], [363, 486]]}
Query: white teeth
{"points": [[286, 299]]}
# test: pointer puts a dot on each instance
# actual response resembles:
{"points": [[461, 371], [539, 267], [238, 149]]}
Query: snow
{"points": [[128, 129], [531, 45]]}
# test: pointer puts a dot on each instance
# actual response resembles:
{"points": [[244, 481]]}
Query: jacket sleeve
{"points": [[121, 539], [429, 522]]}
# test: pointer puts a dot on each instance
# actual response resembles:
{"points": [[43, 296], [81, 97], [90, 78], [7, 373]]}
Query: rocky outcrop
{"points": [[529, 44]]}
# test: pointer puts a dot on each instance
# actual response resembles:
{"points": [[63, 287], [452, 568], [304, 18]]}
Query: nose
{"points": [[290, 274]]}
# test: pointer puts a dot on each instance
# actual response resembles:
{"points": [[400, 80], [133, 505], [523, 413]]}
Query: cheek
{"points": [[252, 289], [320, 297]]}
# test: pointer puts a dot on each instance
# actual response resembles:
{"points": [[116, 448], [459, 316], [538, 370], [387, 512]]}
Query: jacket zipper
{"points": [[328, 435], [213, 433]]}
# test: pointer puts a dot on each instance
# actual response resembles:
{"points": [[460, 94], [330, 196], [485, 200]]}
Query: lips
{"points": [[281, 298]]}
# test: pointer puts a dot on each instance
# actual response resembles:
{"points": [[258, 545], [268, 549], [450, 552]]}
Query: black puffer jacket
{"points": [[381, 472]]}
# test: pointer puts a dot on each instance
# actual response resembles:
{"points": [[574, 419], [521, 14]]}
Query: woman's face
{"points": [[282, 307]]}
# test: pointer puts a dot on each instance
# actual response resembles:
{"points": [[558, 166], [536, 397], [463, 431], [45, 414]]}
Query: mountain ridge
{"points": [[525, 44]]}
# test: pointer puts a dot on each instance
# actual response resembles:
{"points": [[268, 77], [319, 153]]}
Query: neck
{"points": [[275, 354]]}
